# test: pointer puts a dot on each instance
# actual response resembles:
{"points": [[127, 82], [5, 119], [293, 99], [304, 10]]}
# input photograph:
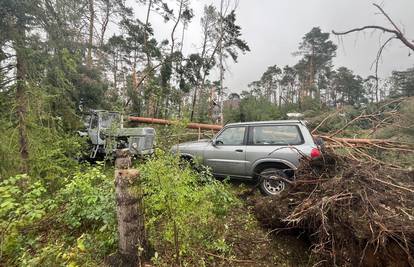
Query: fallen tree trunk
{"points": [[200, 126]]}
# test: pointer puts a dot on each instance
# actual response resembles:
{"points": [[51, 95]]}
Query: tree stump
{"points": [[130, 212]]}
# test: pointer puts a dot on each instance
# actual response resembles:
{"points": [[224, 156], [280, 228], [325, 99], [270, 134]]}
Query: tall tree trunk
{"points": [[179, 65], [91, 28], [180, 11], [146, 34], [150, 100], [105, 21], [134, 80], [193, 104], [280, 100], [221, 62], [203, 52], [166, 107], [115, 72], [311, 81], [21, 98]]}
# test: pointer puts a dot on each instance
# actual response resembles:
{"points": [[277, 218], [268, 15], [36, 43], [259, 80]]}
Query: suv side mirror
{"points": [[216, 142]]}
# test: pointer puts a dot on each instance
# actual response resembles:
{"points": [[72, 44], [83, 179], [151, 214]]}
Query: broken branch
{"points": [[396, 31]]}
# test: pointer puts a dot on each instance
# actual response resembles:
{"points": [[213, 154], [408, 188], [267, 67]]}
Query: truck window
{"points": [[276, 135], [110, 119], [94, 122]]}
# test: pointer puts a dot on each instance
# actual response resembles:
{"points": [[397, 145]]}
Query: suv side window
{"points": [[231, 136], [275, 135]]}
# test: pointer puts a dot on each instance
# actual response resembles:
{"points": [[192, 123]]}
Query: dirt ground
{"points": [[255, 245]]}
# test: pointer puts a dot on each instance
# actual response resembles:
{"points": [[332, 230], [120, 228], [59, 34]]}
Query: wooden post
{"points": [[130, 212]]}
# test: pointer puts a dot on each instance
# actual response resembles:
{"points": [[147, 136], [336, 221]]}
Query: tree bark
{"points": [[171, 59], [91, 28], [21, 98], [175, 27], [105, 22], [220, 96], [133, 246], [147, 53], [115, 70], [193, 103], [203, 51]]}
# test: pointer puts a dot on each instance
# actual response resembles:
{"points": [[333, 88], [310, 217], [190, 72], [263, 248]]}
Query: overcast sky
{"points": [[274, 28]]}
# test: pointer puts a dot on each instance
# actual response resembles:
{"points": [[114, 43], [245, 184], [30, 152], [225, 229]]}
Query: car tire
{"points": [[275, 185], [184, 160], [189, 161]]}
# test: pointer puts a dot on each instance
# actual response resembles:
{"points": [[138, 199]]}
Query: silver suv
{"points": [[268, 151]]}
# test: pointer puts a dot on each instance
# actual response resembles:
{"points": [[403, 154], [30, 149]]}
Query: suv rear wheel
{"points": [[271, 182]]}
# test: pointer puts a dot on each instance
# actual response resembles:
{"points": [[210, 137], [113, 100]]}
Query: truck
{"points": [[106, 133]]}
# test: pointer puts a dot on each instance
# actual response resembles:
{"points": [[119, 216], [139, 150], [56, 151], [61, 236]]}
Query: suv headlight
{"points": [[135, 145]]}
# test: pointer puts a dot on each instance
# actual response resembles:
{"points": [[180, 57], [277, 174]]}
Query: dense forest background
{"points": [[61, 58]]}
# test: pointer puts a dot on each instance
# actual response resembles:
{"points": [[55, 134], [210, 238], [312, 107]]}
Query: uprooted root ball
{"points": [[354, 212]]}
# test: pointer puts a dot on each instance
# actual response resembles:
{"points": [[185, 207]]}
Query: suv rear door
{"points": [[277, 142], [227, 156]]}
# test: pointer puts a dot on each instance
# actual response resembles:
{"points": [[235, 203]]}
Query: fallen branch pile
{"points": [[392, 116], [355, 213], [364, 150], [364, 142]]}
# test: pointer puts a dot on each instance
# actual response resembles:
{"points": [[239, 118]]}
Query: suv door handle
{"points": [[239, 150]]}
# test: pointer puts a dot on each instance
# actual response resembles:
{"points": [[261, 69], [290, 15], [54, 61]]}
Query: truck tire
{"points": [[270, 183]]}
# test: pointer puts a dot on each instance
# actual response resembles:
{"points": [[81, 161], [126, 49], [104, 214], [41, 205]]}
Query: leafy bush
{"points": [[76, 225], [54, 156], [19, 208], [88, 198], [183, 210]]}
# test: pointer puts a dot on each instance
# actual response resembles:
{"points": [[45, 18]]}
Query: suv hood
{"points": [[191, 144], [199, 143]]}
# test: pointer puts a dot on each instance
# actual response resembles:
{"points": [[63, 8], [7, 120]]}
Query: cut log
{"points": [[130, 212]]}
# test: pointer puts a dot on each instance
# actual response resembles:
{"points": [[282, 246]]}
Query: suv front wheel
{"points": [[271, 181]]}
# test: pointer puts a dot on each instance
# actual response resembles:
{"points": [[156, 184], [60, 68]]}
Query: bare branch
{"points": [[375, 27], [377, 63], [388, 17], [396, 31]]}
